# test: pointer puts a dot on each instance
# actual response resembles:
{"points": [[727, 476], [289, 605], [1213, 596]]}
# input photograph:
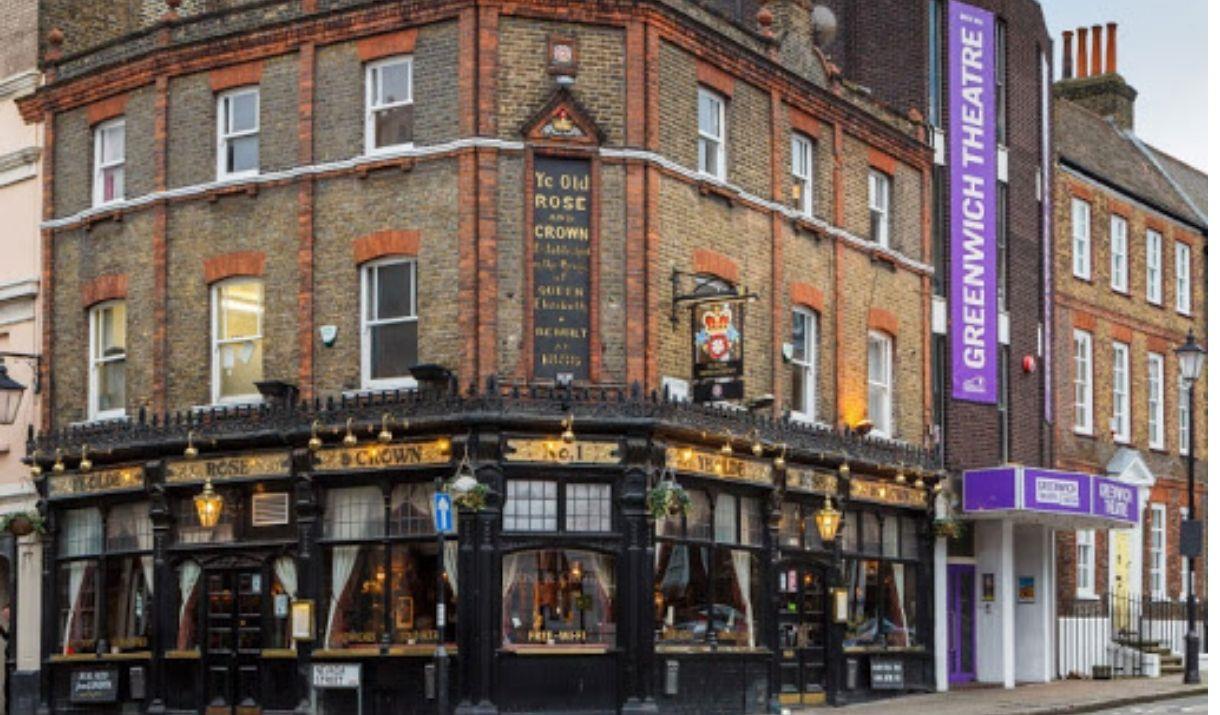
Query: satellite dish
{"points": [[825, 25]]}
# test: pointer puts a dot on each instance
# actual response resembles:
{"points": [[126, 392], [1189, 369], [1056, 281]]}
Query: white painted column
{"points": [[1006, 597], [940, 611], [29, 603]]}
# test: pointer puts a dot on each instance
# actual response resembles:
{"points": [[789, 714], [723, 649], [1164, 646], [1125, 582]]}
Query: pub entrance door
{"points": [[802, 633], [234, 641], [960, 620]]}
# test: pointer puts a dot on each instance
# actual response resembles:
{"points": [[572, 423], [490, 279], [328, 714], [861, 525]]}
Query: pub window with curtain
{"points": [[883, 581]]}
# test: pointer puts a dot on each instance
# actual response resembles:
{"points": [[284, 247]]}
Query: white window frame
{"points": [[366, 326], [214, 293], [1183, 416], [1181, 277], [1082, 381], [802, 172], [1119, 256], [96, 361], [883, 424], [1121, 393], [1156, 401], [880, 201], [1157, 551], [1086, 564], [809, 366], [1154, 267], [706, 139], [100, 167], [223, 136], [371, 107], [1082, 213]]}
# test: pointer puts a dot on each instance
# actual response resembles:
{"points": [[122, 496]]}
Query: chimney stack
{"points": [[1096, 51], [1082, 52], [1111, 47], [1067, 54], [1106, 93]]}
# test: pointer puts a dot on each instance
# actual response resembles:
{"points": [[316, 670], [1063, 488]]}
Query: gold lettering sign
{"points": [[559, 452], [102, 480], [274, 464], [712, 464], [809, 480], [382, 456], [576, 636], [882, 493]]}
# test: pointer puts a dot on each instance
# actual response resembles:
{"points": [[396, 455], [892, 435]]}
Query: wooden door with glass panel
{"points": [[234, 641], [802, 633]]}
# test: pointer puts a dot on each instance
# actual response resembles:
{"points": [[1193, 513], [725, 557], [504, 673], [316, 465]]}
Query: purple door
{"points": [[961, 623]]}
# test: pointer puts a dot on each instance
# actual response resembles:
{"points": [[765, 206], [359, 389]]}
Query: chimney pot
{"points": [[1082, 52], [1096, 51], [1111, 47], [1067, 54]]}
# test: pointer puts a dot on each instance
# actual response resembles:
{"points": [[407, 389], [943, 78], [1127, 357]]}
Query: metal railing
{"points": [[1116, 636]]}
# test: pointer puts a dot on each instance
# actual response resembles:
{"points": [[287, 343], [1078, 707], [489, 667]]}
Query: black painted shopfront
{"points": [[563, 592]]}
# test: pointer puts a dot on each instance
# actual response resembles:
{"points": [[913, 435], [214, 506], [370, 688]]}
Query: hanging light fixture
{"points": [[568, 436], [779, 458], [727, 448], [58, 467], [757, 447], [315, 442], [900, 477], [349, 439], [385, 435], [191, 450], [919, 480], [35, 469], [208, 505], [827, 519], [85, 463], [844, 471]]}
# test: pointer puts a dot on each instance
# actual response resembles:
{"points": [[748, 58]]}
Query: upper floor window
{"points": [[1081, 241], [536, 505], [804, 364], [1182, 277], [237, 133], [879, 207], [1183, 415], [107, 360], [1121, 425], [389, 104], [802, 174], [1156, 551], [1154, 262], [389, 331], [711, 133], [1083, 382], [1086, 581], [1156, 401], [109, 159], [881, 383], [237, 339], [1118, 253], [1001, 82]]}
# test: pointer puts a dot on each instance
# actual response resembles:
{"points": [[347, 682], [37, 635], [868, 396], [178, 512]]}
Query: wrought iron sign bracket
{"points": [[680, 299]]}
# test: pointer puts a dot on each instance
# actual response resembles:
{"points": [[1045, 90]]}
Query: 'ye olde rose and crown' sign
{"points": [[974, 320], [553, 451], [383, 456], [242, 466], [562, 210], [102, 480], [713, 464]]}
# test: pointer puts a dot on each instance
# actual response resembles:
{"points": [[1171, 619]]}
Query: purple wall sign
{"points": [[973, 322], [989, 489], [1115, 500], [1066, 492]]}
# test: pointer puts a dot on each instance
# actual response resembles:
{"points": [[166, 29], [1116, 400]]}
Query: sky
{"points": [[1162, 53]]}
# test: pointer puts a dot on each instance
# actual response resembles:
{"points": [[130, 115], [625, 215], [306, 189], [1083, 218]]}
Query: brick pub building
{"points": [[1130, 283], [313, 256]]}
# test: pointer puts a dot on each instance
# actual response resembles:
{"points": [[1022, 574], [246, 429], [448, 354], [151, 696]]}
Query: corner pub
{"points": [[642, 287]]}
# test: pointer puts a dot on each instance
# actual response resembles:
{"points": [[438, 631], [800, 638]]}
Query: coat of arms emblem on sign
{"points": [[717, 337]]}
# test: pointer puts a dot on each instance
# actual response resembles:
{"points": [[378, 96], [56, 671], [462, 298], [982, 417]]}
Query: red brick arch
{"points": [[385, 243], [808, 296], [716, 264], [231, 265], [103, 288], [883, 320]]}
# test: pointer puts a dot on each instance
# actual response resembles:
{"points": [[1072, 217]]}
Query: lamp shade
{"points": [[208, 504], [827, 519], [1191, 357], [10, 396]]}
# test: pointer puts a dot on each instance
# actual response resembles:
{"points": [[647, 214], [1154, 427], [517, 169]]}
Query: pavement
{"points": [[1055, 698]]}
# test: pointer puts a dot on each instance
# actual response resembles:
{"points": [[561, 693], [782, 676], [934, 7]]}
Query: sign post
{"points": [[442, 520]]}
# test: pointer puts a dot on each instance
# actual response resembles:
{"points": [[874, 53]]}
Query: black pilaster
{"points": [[309, 562], [635, 592], [480, 600], [163, 606]]}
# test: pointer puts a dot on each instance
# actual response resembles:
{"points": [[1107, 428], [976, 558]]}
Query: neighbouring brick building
{"points": [[1130, 283], [525, 233]]}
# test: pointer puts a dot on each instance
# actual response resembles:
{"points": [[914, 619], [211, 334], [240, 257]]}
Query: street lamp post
{"points": [[1190, 362]]}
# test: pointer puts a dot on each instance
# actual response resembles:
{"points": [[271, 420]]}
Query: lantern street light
{"points": [[827, 519], [11, 390], [1191, 357], [208, 505]]}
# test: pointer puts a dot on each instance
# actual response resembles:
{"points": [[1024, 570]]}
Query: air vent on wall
{"points": [[269, 509]]}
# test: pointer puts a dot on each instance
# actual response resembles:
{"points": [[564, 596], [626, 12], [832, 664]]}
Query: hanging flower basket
{"points": [[667, 499], [473, 498], [22, 523], [948, 528]]}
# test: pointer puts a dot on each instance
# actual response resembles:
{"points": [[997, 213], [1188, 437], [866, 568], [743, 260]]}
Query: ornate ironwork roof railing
{"points": [[596, 411]]}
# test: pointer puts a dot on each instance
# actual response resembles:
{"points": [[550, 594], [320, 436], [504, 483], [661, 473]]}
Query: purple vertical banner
{"points": [[973, 322]]}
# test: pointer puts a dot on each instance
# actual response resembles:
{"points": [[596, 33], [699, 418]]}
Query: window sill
{"points": [[715, 186], [1079, 432], [87, 657], [1087, 596], [556, 649], [230, 403], [386, 386], [385, 152], [707, 649], [102, 419]]}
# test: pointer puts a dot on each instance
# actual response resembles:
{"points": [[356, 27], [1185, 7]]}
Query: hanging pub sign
{"points": [[717, 330], [562, 219]]}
